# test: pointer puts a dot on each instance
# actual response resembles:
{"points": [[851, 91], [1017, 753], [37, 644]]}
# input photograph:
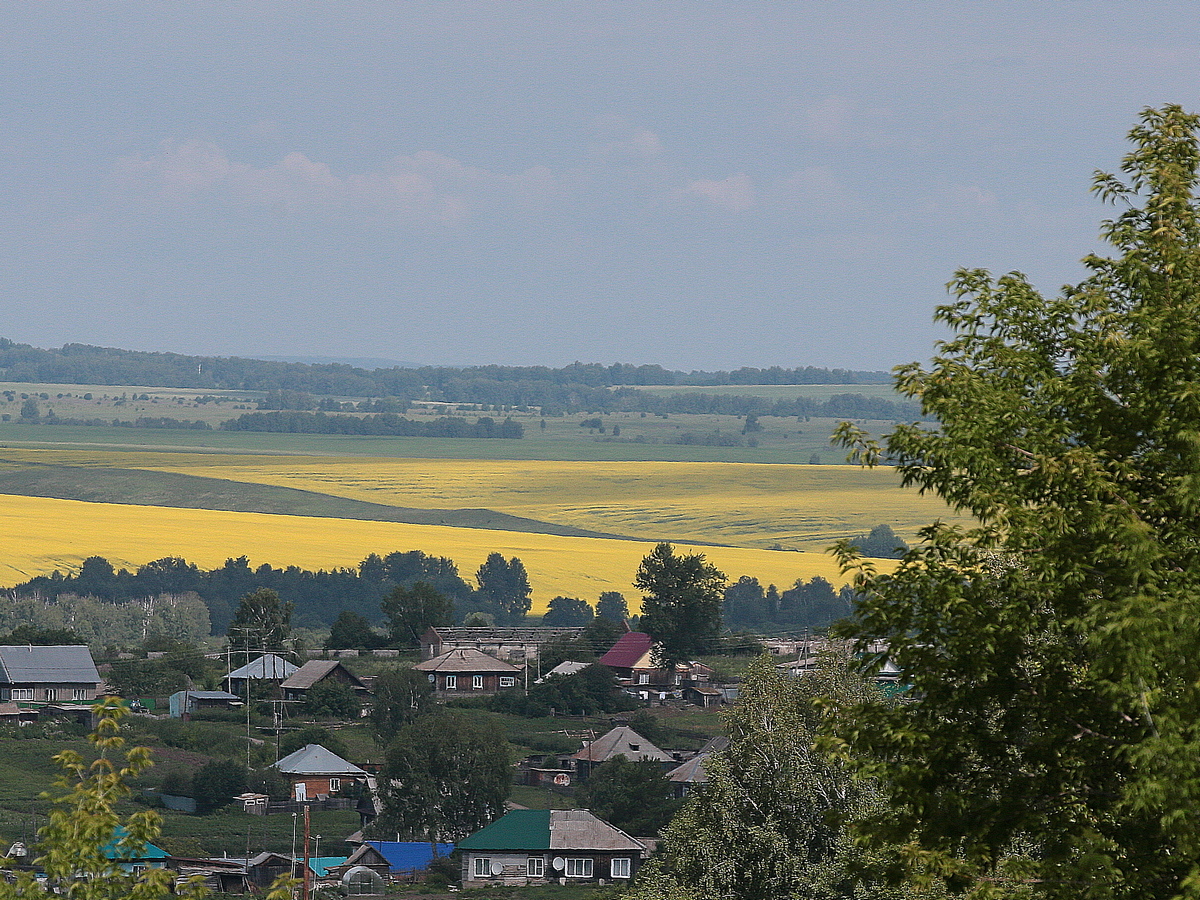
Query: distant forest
{"points": [[589, 387]]}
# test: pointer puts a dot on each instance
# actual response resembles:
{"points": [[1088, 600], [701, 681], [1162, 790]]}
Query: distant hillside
{"points": [[579, 386]]}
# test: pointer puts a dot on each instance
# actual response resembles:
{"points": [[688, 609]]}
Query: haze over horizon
{"points": [[695, 186]]}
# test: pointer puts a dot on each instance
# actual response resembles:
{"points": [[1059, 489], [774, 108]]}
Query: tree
{"points": [[411, 610], [351, 631], [681, 608], [313, 734], [445, 776], [636, 796], [772, 820], [1052, 642], [262, 622], [216, 783], [504, 585], [882, 543], [332, 700], [401, 695], [566, 611], [84, 823], [612, 606]]}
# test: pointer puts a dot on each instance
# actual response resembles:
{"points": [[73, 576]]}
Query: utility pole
{"points": [[304, 894]]}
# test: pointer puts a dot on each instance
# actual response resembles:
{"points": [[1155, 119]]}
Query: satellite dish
{"points": [[497, 868], [559, 864]]}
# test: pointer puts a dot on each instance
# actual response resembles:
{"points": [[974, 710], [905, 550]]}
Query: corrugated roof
{"points": [[208, 695], [578, 829], [520, 829], [409, 856], [62, 664], [313, 759], [313, 671], [268, 666], [566, 667], [629, 648], [465, 659], [621, 741], [508, 634]]}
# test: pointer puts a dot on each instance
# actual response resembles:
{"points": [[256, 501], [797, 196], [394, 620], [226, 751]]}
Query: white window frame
{"points": [[536, 867], [483, 867], [643, 677], [620, 867], [51, 694], [335, 784], [452, 682], [579, 867], [508, 681], [80, 694], [22, 693], [477, 682]]}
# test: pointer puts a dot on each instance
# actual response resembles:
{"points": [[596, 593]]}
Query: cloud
{"points": [[735, 192], [426, 184], [813, 184]]}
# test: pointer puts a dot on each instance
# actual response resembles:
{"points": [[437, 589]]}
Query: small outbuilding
{"points": [[184, 703]]}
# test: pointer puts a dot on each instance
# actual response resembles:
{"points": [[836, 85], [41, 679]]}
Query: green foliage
{"points": [[412, 610], [43, 637], [312, 734], [591, 690], [332, 700], [100, 623], [1052, 645], [771, 820], [881, 543], [504, 586], [145, 678], [401, 695], [681, 608], [263, 622], [216, 783], [351, 631], [634, 796], [85, 822], [566, 611], [445, 776], [612, 606]]}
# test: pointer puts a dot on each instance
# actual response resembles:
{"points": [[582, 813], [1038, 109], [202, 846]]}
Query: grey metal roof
{"points": [[467, 660], [313, 759], [269, 666], [506, 634], [313, 671], [578, 829], [60, 664], [622, 741], [208, 695]]}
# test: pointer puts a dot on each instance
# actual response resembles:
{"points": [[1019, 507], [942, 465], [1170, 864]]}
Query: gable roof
{"points": [[693, 771], [60, 663], [621, 741], [629, 648], [313, 759], [557, 829], [316, 669], [268, 666], [466, 659], [567, 667], [504, 634]]}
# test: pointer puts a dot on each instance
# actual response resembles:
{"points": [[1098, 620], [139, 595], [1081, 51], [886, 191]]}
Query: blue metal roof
{"points": [[409, 856]]}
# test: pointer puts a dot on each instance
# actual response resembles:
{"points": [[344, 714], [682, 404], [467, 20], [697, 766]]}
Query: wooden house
{"points": [[465, 671]]}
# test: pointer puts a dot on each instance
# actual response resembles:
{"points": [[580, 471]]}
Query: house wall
{"points": [[515, 867], [315, 785], [48, 692], [464, 683]]}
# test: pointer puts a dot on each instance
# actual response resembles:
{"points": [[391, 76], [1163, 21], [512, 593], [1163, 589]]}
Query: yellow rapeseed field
{"points": [[41, 535], [742, 504]]}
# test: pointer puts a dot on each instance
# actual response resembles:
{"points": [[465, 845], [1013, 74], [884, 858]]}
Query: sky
{"points": [[695, 185]]}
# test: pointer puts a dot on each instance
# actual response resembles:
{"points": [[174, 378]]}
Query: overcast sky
{"points": [[698, 185]]}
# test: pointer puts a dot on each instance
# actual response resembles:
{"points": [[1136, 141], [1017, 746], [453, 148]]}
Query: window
{"points": [[536, 867], [643, 678], [451, 682], [335, 784], [477, 682], [483, 866], [22, 693], [51, 694], [507, 681], [620, 867], [579, 868], [81, 694]]}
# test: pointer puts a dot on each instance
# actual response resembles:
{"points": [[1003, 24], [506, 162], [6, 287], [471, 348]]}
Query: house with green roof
{"points": [[535, 846]]}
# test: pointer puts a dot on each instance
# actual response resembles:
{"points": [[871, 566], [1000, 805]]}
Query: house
{"points": [[533, 846], [625, 653], [689, 776], [564, 668], [267, 668], [315, 671], [134, 858], [466, 671], [315, 772], [54, 674], [514, 644], [184, 703], [621, 741], [389, 860]]}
